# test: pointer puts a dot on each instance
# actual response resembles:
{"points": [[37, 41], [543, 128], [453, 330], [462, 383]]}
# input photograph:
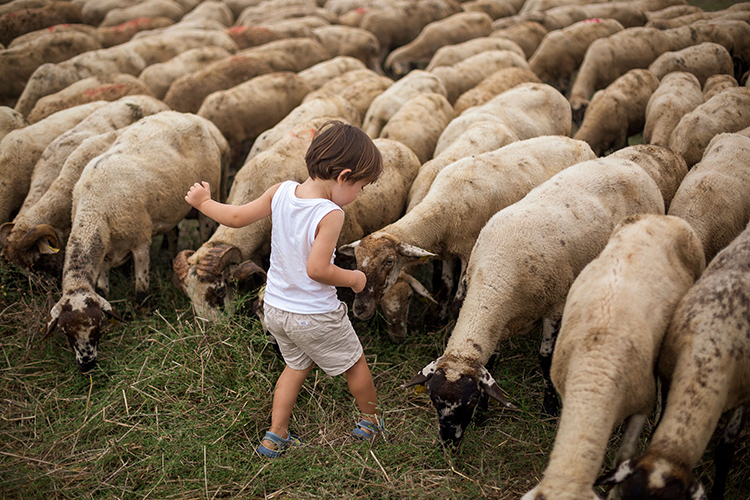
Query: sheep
{"points": [[463, 196], [675, 22], [704, 370], [317, 75], [522, 265], [105, 88], [561, 52], [418, 124], [48, 172], [628, 14], [527, 35], [495, 84], [111, 220], [295, 54], [672, 12], [325, 105], [266, 12], [14, 24], [18, 64], [21, 148], [528, 109], [10, 120], [252, 36], [384, 106], [116, 35], [618, 111], [702, 60], [93, 12], [359, 87], [615, 317], [160, 76], [246, 110], [210, 9], [727, 111], [16, 5], [348, 41], [608, 58], [162, 46], [449, 55], [203, 275], [467, 74], [147, 8], [718, 83], [678, 93], [496, 9], [714, 197], [451, 30]]}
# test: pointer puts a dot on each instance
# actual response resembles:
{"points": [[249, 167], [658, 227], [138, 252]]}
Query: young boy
{"points": [[301, 308]]}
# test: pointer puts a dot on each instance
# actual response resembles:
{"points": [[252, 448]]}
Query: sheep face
{"points": [[81, 315], [653, 478]]}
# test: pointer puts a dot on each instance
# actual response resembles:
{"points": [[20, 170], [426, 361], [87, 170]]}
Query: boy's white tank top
{"points": [[294, 221]]}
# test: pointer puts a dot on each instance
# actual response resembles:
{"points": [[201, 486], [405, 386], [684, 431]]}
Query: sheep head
{"points": [[381, 257], [455, 387], [28, 249], [653, 478], [81, 315]]}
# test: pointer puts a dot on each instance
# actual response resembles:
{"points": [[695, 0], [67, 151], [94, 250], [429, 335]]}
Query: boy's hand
{"points": [[361, 281], [198, 194]]}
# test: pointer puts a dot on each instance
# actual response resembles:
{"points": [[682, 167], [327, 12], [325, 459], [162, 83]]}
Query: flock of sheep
{"points": [[503, 126]]}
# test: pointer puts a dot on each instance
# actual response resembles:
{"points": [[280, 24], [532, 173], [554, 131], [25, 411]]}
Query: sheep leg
{"points": [[169, 242], [550, 329], [724, 453], [141, 256]]}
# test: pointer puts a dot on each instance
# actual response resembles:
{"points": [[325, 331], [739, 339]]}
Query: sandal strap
{"points": [[279, 441]]}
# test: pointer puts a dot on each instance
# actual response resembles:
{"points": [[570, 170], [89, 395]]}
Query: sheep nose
{"points": [[87, 365]]}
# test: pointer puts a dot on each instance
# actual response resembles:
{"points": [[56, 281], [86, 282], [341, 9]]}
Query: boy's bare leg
{"points": [[359, 379], [284, 397]]}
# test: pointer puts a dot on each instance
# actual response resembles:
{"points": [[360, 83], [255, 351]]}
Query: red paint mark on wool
{"points": [[236, 29], [594, 20], [361, 10]]}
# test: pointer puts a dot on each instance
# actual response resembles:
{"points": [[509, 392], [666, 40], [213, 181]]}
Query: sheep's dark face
{"points": [[82, 320], [455, 402], [652, 478]]}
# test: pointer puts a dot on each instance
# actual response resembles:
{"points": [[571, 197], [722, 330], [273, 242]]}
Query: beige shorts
{"points": [[326, 339]]}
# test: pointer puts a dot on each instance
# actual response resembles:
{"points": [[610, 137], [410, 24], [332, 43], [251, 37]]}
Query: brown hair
{"points": [[338, 146]]}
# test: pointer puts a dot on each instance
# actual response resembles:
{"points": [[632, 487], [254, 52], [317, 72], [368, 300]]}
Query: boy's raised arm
{"points": [[319, 266], [199, 196]]}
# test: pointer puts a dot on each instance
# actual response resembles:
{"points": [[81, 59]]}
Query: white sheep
{"points": [[112, 221], [704, 370], [449, 55], [727, 111], [618, 111], [22, 148], [718, 83], [360, 87], [497, 83], [628, 14], [353, 42], [317, 75], [10, 120], [463, 196], [527, 35], [615, 317], [160, 76], [678, 94], [702, 60], [146, 8], [522, 265], [714, 196]]}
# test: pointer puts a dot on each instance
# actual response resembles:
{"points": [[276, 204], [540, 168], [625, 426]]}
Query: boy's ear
{"points": [[343, 176]]}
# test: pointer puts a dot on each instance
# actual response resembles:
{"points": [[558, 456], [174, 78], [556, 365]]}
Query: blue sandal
{"points": [[366, 430], [282, 445]]}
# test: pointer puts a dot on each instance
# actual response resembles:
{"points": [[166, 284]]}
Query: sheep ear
{"points": [[55, 314], [490, 387], [696, 491], [108, 309], [418, 287], [415, 252], [5, 230], [348, 249], [617, 475], [422, 376]]}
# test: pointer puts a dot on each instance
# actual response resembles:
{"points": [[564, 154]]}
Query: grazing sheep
{"points": [[160, 76], [561, 51], [21, 148], [55, 211], [727, 111], [360, 87], [147, 8], [714, 197], [616, 314], [10, 120], [528, 109], [527, 35], [704, 369], [463, 196], [19, 63], [93, 12], [451, 30], [252, 36], [449, 55], [104, 88], [628, 14], [495, 84], [348, 41], [618, 111], [496, 9], [522, 265], [672, 12], [295, 54], [702, 60], [210, 9], [467, 74], [384, 106], [678, 94], [112, 221], [16, 5], [31, 36], [609, 58], [319, 74], [419, 123], [268, 13], [14, 24], [718, 83]]}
